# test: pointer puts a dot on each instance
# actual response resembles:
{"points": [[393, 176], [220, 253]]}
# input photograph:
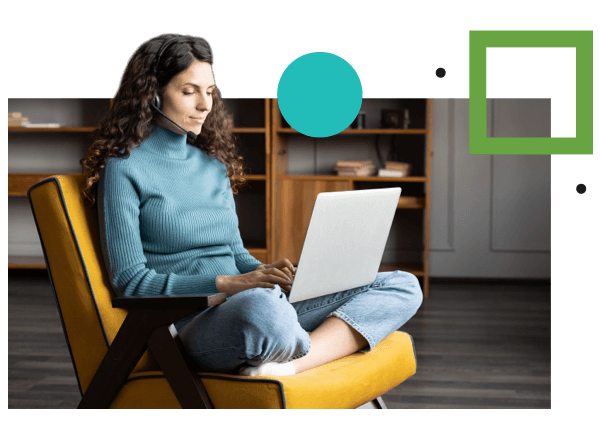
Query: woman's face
{"points": [[187, 98]]}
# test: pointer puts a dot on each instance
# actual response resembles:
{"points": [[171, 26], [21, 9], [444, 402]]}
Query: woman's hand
{"points": [[286, 267], [264, 276]]}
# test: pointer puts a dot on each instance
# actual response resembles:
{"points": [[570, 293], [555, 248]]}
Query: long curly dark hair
{"points": [[130, 118]]}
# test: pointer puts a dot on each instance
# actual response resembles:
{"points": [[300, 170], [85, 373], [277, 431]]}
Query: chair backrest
{"points": [[68, 231]]}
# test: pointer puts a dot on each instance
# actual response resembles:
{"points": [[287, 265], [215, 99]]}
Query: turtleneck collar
{"points": [[166, 143]]}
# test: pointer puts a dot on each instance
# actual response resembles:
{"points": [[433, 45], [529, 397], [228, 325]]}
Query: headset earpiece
{"points": [[156, 102]]}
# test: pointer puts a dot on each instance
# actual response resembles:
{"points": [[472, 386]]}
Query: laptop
{"points": [[344, 244]]}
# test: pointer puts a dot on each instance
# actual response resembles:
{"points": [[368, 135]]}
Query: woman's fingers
{"points": [[288, 264], [284, 265], [278, 276]]}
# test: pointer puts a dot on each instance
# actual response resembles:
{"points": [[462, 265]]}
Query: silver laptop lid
{"points": [[345, 241]]}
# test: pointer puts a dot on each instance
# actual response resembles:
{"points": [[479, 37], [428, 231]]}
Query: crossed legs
{"points": [[332, 340]]}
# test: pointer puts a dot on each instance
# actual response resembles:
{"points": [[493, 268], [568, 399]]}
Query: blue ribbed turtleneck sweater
{"points": [[167, 219]]}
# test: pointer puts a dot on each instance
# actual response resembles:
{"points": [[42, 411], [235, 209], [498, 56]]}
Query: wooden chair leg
{"points": [[186, 383], [120, 359]]}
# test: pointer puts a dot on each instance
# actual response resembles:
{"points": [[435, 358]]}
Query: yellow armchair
{"points": [[126, 353]]}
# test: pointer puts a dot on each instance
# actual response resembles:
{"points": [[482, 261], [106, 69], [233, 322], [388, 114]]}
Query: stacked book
{"points": [[366, 168], [355, 168], [395, 169], [15, 119]]}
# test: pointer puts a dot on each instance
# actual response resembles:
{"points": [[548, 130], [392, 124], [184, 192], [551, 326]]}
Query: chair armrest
{"points": [[169, 302]]}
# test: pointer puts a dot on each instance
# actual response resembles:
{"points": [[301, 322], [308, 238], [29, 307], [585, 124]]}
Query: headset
{"points": [[156, 102]]}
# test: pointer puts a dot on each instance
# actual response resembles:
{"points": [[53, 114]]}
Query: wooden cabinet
{"points": [[295, 200]]}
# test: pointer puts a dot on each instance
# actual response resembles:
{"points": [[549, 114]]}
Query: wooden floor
{"points": [[479, 345]]}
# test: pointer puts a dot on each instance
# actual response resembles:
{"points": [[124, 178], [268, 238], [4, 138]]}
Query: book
{"points": [[16, 122], [402, 167], [354, 163], [391, 173], [364, 171], [396, 165], [14, 115], [41, 125]]}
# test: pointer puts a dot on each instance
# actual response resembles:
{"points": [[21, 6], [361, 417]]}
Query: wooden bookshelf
{"points": [[294, 195]]}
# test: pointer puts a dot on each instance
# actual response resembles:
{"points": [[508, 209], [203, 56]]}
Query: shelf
{"points": [[367, 131], [255, 177], [411, 202], [26, 262], [248, 130], [52, 129], [344, 178], [19, 184], [90, 129]]}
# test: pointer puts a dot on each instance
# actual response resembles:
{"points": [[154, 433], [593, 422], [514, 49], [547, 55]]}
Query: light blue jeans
{"points": [[260, 325]]}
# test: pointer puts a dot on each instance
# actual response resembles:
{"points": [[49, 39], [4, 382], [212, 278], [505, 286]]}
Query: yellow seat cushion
{"points": [[332, 385]]}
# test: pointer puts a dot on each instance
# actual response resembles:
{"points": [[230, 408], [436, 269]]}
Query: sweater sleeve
{"points": [[243, 260], [119, 228]]}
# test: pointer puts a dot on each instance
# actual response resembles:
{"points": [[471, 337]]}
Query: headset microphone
{"points": [[156, 103]]}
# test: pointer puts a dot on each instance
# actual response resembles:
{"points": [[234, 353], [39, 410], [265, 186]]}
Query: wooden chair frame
{"points": [[149, 324]]}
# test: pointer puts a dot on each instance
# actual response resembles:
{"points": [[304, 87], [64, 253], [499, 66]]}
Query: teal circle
{"points": [[319, 94]]}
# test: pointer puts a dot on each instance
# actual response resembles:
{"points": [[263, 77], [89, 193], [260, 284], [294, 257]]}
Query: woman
{"points": [[168, 225]]}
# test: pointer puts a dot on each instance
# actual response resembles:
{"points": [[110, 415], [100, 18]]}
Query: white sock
{"points": [[270, 368]]}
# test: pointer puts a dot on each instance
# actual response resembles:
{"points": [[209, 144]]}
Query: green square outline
{"points": [[479, 143]]}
